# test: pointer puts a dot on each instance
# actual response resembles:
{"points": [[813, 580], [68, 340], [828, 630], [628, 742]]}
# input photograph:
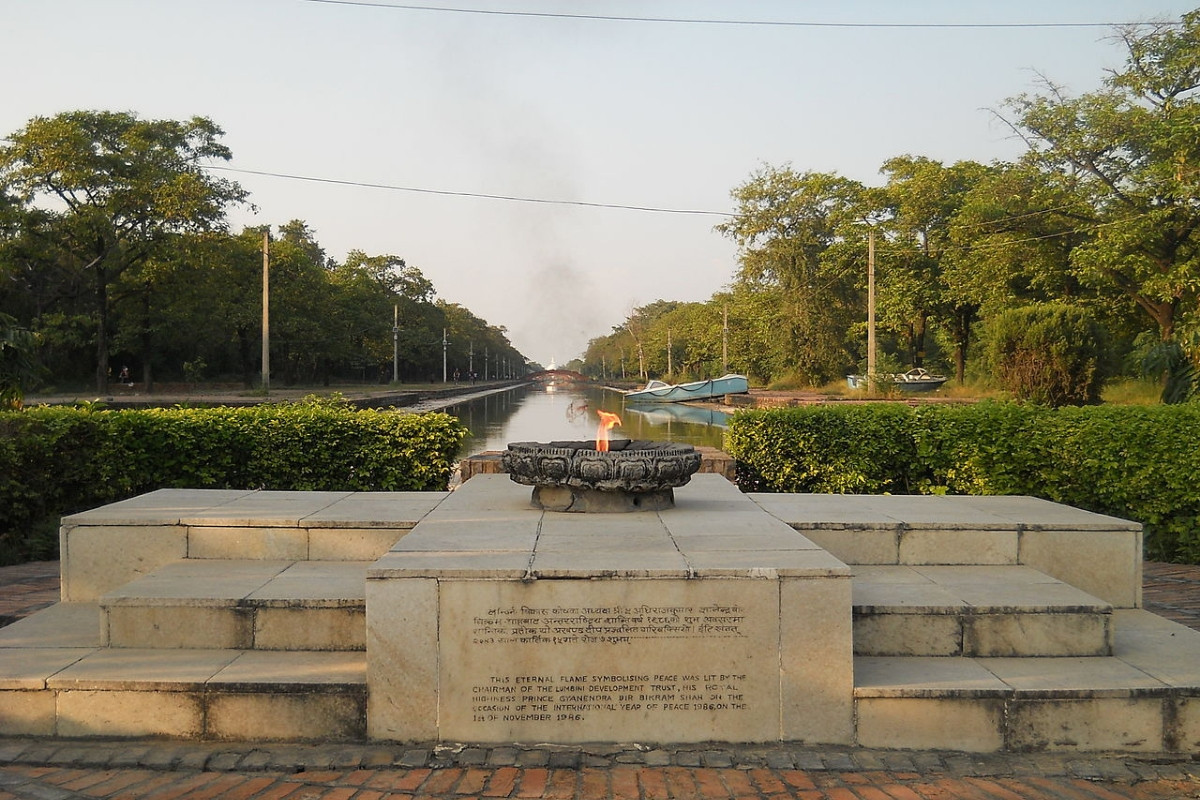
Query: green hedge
{"points": [[1135, 462], [56, 461]]}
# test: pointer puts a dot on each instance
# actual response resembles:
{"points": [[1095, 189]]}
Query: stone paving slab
{"points": [[950, 512], [162, 507]]}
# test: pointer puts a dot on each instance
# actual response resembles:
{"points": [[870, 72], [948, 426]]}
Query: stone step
{"points": [[56, 680], [1140, 699], [240, 605], [975, 611]]}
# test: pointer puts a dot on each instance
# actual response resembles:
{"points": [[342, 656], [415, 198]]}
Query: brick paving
{"points": [[56, 769], [1172, 591], [27, 588]]}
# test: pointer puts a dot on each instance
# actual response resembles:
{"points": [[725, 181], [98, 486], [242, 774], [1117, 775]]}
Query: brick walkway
{"points": [[165, 770]]}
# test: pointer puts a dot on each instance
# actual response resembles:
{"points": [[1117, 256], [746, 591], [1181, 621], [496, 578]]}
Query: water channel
{"points": [[559, 412]]}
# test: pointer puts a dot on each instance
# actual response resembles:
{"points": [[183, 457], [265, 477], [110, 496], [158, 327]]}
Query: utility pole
{"points": [[871, 308], [396, 343], [670, 363], [266, 312], [471, 360], [725, 341], [445, 344]]}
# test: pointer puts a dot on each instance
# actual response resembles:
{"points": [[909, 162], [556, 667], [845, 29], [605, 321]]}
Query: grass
{"points": [[1131, 391], [1123, 391]]}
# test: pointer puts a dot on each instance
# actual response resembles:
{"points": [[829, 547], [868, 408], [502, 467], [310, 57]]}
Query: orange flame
{"points": [[607, 421]]}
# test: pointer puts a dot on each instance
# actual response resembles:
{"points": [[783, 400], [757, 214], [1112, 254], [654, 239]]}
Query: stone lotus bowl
{"points": [[574, 476]]}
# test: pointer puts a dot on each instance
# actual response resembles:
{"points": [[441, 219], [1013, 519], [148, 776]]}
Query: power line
{"points": [[1044, 237], [480, 195], [1002, 220], [741, 22]]}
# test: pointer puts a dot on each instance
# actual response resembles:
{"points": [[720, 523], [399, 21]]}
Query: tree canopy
{"points": [[113, 191], [1102, 212], [114, 238]]}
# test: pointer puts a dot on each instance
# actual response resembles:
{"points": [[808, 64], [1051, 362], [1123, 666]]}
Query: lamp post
{"points": [[445, 344]]}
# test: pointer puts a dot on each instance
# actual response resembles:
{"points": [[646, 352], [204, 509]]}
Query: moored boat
{"points": [[915, 380], [660, 392]]}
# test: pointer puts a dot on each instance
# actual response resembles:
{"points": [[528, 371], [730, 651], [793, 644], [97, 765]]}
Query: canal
{"points": [[558, 412]]}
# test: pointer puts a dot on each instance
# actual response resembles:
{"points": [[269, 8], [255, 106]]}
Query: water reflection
{"points": [[550, 413]]}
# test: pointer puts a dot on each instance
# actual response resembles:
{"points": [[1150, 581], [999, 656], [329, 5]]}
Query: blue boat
{"points": [[674, 413], [660, 392]]}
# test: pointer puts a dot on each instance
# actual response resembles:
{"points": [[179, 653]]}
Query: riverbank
{"points": [[779, 398], [410, 397], [422, 397]]}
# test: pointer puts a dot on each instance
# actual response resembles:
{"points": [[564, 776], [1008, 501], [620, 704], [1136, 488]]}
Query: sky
{"points": [[586, 116]]}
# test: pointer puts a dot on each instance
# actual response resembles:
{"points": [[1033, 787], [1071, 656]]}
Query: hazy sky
{"points": [[665, 115]]}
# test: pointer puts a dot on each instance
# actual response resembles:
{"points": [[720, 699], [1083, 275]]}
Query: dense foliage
{"points": [[1052, 354], [55, 461], [115, 253], [1100, 213], [1134, 462]]}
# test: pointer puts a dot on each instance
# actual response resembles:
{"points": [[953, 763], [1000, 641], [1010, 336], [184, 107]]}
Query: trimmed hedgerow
{"points": [[861, 449], [56, 461], [1135, 462]]}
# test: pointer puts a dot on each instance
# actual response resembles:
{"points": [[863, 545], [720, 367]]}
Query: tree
{"points": [[18, 367], [372, 291], [1131, 152], [113, 189], [209, 302], [923, 199], [801, 237]]}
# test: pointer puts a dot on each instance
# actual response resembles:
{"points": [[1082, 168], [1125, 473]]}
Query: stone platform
{"points": [[982, 624], [709, 621]]}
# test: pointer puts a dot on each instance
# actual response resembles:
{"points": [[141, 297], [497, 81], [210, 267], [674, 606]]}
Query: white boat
{"points": [[660, 392], [915, 380], [918, 380]]}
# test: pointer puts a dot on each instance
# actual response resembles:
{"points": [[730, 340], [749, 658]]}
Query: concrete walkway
{"points": [[52, 769]]}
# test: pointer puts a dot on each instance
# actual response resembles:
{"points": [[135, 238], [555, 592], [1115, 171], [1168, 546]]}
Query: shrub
{"points": [[56, 461], [859, 449], [1049, 354], [1133, 462]]}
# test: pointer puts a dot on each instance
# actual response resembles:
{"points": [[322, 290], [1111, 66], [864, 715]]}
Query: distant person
{"points": [[456, 376], [124, 376]]}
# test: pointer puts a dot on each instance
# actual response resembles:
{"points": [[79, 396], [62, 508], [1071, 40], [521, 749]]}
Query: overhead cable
{"points": [[658, 209], [742, 22], [481, 195]]}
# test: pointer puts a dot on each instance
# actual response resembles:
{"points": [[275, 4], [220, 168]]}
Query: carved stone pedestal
{"points": [[496, 622]]}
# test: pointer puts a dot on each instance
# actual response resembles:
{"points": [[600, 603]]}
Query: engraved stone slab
{"points": [[573, 661], [497, 622]]}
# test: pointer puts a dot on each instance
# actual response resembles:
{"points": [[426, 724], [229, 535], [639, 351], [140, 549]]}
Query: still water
{"points": [[555, 413]]}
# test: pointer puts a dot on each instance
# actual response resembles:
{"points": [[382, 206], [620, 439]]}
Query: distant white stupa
{"points": [[552, 365]]}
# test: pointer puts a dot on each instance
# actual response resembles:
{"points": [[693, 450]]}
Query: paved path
{"points": [[166, 770]]}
